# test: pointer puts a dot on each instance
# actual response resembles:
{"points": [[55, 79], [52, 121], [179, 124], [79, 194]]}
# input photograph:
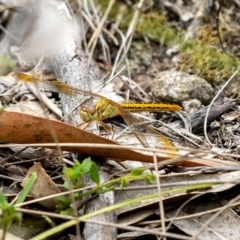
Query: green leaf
{"points": [[8, 213], [62, 203], [3, 201], [67, 212], [137, 171], [77, 170], [86, 165], [150, 179], [6, 64], [27, 188], [66, 185], [65, 201], [94, 174]]}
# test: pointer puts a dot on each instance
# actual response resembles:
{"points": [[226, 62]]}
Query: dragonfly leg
{"points": [[86, 125], [105, 127]]}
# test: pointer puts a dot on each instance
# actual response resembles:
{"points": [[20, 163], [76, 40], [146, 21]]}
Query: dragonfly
{"points": [[106, 108]]}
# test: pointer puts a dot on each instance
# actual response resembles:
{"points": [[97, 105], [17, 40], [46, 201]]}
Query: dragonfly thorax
{"points": [[106, 109]]}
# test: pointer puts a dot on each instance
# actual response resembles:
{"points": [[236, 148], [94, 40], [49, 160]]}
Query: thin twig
{"points": [[160, 202], [210, 105]]}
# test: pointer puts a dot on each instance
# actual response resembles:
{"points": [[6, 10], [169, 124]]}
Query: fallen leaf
{"points": [[223, 226], [22, 128], [27, 129], [42, 187], [170, 182]]}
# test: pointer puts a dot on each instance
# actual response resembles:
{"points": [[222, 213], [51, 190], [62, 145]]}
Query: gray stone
{"points": [[176, 86]]}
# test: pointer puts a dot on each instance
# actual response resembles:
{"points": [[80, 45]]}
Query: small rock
{"points": [[192, 106], [176, 86]]}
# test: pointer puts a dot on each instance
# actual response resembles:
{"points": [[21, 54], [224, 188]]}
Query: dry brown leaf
{"points": [[27, 129], [42, 187], [170, 182], [134, 217], [9, 236], [223, 226]]}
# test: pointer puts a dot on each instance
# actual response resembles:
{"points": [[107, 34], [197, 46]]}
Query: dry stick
{"points": [[107, 224], [154, 232], [8, 33], [9, 5], [99, 36], [93, 40], [86, 18], [44, 100], [174, 218], [110, 35], [126, 83], [210, 105], [199, 214], [161, 207], [143, 150], [54, 215], [218, 31], [124, 46], [216, 215], [2, 161], [193, 28], [130, 81]]}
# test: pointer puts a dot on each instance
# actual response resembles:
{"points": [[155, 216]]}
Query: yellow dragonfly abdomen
{"points": [[150, 107]]}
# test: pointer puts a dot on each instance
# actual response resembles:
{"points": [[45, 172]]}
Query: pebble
{"points": [[176, 87], [192, 106]]}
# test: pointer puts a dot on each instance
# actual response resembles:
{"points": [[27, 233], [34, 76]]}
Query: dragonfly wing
{"points": [[142, 131], [53, 84]]}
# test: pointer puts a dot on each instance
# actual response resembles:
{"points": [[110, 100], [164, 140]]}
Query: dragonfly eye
{"points": [[88, 113]]}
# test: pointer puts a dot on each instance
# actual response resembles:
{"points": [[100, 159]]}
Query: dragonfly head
{"points": [[88, 113]]}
